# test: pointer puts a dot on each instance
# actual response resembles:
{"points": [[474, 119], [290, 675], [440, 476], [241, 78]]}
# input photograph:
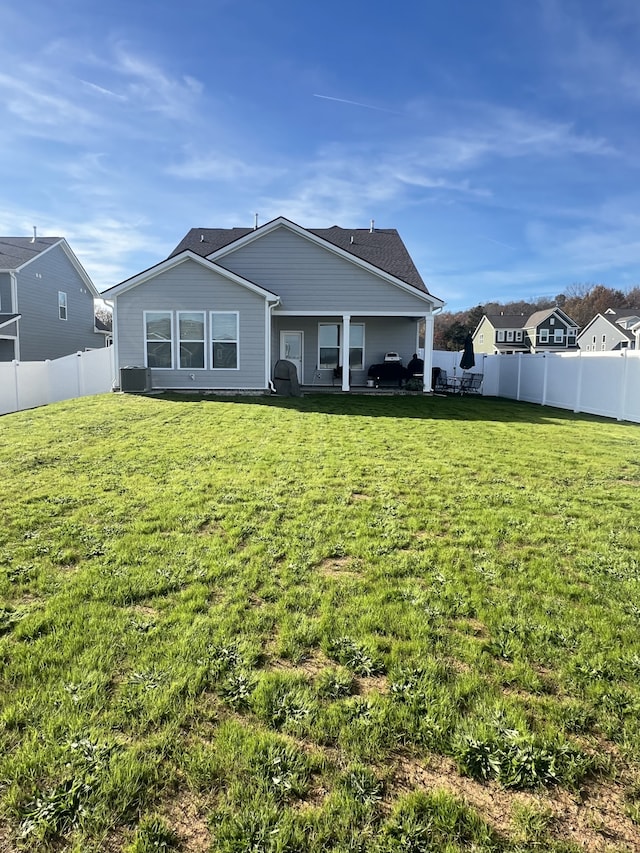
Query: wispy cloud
{"points": [[216, 166]]}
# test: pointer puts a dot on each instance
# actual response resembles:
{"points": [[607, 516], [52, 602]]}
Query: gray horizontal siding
{"points": [[6, 304], [308, 277], [381, 335], [191, 287], [42, 334]]}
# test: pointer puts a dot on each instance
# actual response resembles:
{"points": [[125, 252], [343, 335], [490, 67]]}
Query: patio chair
{"points": [[441, 381], [471, 383]]}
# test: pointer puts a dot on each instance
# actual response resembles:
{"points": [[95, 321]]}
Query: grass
{"points": [[325, 624]]}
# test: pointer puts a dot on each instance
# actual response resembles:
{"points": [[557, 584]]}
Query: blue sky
{"points": [[501, 138]]}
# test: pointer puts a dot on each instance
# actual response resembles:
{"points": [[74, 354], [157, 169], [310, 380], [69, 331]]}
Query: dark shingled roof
{"points": [[16, 251], [507, 321], [382, 247]]}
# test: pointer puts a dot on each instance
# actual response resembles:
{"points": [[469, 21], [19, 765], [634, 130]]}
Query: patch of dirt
{"points": [[211, 528], [185, 816], [360, 496], [6, 843], [365, 684], [143, 610], [334, 567], [310, 666], [593, 819]]}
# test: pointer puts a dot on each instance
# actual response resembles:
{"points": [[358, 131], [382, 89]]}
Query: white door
{"points": [[291, 349]]}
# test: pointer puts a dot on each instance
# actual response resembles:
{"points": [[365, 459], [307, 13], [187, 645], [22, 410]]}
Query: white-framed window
{"points": [[224, 340], [552, 321], [603, 347], [356, 346], [604, 339], [329, 342], [62, 305], [500, 335], [191, 340], [558, 336], [481, 337], [544, 336], [328, 345], [158, 333], [519, 335], [594, 339], [624, 344], [510, 335]]}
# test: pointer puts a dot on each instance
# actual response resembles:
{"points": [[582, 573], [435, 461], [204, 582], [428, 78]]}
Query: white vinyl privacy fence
{"points": [[606, 383], [27, 384]]}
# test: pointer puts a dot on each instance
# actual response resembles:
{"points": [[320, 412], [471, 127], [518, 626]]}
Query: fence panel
{"points": [[604, 383], [28, 384]]}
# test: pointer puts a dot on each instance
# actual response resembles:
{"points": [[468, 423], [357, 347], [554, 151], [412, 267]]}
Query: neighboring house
{"points": [[228, 303], [612, 330], [46, 300], [544, 331]]}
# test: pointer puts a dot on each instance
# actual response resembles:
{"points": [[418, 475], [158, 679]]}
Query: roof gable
{"points": [[15, 252], [611, 321], [540, 316], [380, 251], [174, 261], [19, 252]]}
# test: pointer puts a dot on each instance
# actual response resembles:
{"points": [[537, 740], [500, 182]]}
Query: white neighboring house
{"points": [[614, 329], [228, 303], [46, 300]]}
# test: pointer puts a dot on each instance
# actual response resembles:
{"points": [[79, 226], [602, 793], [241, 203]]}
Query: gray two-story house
{"points": [[543, 331], [228, 303], [47, 307], [610, 331]]}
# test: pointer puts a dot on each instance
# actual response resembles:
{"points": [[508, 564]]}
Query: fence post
{"points": [[579, 383], [16, 384], [545, 370], [623, 388], [519, 371], [80, 374]]}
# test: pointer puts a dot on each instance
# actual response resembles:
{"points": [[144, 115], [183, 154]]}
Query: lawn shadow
{"points": [[428, 407]]}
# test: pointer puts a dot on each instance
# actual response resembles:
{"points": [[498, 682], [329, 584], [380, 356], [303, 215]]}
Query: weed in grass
{"points": [[355, 656], [236, 690], [334, 683], [362, 784], [531, 824], [153, 836], [283, 700]]}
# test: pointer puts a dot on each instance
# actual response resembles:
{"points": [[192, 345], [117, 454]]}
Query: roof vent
{"points": [[35, 235], [371, 227], [351, 240], [202, 238], [255, 222]]}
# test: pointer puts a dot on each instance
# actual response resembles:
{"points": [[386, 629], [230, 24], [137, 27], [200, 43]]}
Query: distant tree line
{"points": [[581, 302]]}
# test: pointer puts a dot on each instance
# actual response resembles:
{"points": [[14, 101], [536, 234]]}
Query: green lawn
{"points": [[326, 624]]}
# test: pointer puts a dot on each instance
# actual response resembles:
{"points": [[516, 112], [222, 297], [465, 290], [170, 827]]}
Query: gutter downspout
{"points": [[268, 384], [14, 303], [114, 335]]}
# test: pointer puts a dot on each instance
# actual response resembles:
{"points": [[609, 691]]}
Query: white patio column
{"points": [[346, 343], [428, 352]]}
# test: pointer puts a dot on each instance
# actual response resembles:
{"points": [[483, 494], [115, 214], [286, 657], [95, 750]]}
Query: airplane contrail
{"points": [[356, 104]]}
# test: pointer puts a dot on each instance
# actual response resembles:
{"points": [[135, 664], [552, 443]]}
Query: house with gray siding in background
{"points": [[47, 307], [613, 330], [228, 303]]}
